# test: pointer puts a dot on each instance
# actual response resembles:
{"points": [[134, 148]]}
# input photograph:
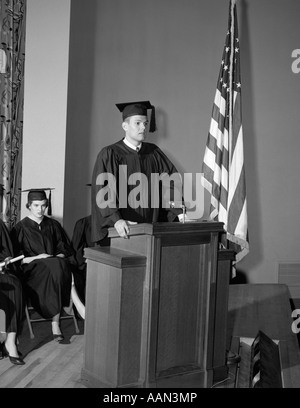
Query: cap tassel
{"points": [[152, 127], [49, 205]]}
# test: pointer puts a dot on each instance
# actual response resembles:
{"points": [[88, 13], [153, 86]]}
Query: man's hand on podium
{"points": [[122, 227]]}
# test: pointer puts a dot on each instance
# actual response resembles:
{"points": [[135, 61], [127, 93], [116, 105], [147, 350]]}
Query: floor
{"points": [[48, 364], [53, 365]]}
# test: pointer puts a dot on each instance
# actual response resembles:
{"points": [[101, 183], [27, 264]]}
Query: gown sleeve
{"points": [[170, 192], [63, 244], [5, 244], [7, 250], [81, 239], [103, 215], [16, 238]]}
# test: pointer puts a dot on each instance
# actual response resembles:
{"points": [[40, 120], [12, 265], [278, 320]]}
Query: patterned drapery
{"points": [[12, 58]]}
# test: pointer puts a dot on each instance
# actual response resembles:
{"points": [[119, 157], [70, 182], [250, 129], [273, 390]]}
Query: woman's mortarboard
{"points": [[138, 108], [39, 194]]}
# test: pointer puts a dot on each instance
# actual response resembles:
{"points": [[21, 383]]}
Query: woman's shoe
{"points": [[58, 337], [13, 360]]}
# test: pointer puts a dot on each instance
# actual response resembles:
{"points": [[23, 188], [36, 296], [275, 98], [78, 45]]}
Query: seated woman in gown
{"points": [[11, 301], [47, 275]]}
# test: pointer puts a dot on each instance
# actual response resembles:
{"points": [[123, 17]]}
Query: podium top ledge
{"points": [[163, 228]]}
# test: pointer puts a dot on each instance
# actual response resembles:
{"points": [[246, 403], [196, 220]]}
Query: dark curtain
{"points": [[12, 59]]}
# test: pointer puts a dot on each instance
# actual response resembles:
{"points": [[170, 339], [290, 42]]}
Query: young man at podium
{"points": [[164, 280], [128, 178]]}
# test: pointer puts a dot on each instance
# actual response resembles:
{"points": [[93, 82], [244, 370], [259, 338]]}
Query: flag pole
{"points": [[224, 241], [233, 2]]}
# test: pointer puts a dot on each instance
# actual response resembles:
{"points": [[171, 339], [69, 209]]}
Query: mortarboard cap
{"points": [[39, 194], [138, 108]]}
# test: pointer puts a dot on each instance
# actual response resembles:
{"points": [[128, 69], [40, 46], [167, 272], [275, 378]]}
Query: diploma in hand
{"points": [[8, 261]]}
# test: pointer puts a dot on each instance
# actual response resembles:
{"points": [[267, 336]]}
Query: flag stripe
{"points": [[220, 103], [234, 212], [236, 168]]}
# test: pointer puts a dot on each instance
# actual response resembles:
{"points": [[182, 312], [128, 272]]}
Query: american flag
{"points": [[223, 165]]}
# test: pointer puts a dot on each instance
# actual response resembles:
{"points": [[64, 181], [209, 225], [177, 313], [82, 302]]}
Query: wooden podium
{"points": [[156, 308]]}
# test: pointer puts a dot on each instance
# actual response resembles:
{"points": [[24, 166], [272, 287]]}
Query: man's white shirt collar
{"points": [[137, 148]]}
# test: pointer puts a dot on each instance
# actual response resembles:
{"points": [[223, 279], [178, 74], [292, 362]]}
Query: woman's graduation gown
{"points": [[47, 281]]}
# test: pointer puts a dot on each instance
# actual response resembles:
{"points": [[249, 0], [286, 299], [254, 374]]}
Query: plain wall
{"points": [[139, 50], [169, 51], [45, 99]]}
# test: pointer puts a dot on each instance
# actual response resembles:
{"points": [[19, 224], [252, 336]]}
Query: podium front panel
{"points": [[154, 296]]}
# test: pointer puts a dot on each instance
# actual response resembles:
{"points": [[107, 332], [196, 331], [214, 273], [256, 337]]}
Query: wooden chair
{"points": [[30, 311]]}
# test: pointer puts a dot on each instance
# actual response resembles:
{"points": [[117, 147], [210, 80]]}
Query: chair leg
{"points": [[30, 325], [29, 322], [76, 325]]}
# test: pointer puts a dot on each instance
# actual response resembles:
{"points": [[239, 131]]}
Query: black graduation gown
{"points": [[81, 239], [47, 282], [11, 295], [149, 160]]}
